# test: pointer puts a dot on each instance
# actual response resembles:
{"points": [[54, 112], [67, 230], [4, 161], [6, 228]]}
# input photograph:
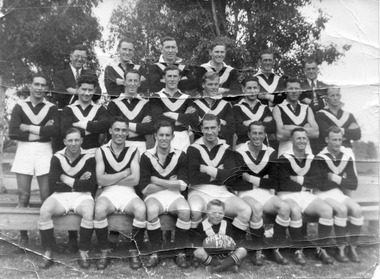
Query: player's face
{"points": [[333, 97], [300, 140], [169, 50], [171, 79], [126, 51], [211, 87], [78, 58], [257, 135], [85, 92], [164, 136], [251, 90], [210, 130], [38, 87], [218, 53], [293, 90], [267, 62], [132, 83], [334, 142], [215, 214], [73, 142], [119, 132], [311, 70]]}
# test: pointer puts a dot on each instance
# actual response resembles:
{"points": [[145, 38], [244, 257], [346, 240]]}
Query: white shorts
{"points": [[166, 198], [32, 158], [71, 200], [260, 195], [141, 145], [334, 194], [303, 199], [119, 196], [210, 192]]}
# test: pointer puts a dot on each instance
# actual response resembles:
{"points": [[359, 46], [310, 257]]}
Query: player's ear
{"points": [[326, 139]]}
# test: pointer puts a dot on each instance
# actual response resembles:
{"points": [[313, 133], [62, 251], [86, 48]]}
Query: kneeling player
{"points": [[72, 179], [216, 237], [257, 164], [118, 172], [163, 172], [337, 167]]}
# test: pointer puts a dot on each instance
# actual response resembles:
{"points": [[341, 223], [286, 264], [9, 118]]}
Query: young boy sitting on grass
{"points": [[215, 234]]}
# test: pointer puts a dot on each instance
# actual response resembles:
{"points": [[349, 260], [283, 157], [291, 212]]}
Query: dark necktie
{"points": [[312, 84], [77, 75]]}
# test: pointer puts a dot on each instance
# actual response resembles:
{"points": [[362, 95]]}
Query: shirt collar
{"points": [[177, 60], [74, 70]]}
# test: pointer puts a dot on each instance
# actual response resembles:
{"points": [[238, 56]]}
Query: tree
{"points": [[247, 26], [38, 35]]}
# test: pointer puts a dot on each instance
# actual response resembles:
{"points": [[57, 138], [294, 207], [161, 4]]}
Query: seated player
{"points": [[257, 177], [291, 114], [334, 115], [211, 167], [91, 119], [118, 172], [337, 167], [170, 104], [213, 103], [250, 109], [136, 109], [33, 123], [72, 179], [163, 176], [216, 236], [298, 172]]}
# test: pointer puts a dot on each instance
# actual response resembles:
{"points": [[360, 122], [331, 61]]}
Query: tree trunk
{"points": [[2, 109], [215, 16]]}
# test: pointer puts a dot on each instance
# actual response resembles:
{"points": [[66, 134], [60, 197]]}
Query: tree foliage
{"points": [[248, 27], [37, 35]]}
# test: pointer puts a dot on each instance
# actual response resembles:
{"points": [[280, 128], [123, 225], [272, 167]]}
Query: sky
{"points": [[354, 22]]}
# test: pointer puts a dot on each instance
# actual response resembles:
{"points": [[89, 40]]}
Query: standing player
{"points": [[213, 103], [115, 74], [91, 119], [291, 114], [170, 104], [298, 172], [33, 122], [228, 76], [271, 85], [118, 172], [250, 109], [136, 109], [169, 50], [163, 173], [257, 166], [72, 179], [211, 165], [333, 115], [337, 166]]}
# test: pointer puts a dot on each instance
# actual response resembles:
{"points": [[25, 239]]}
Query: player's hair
{"points": [[210, 117], [132, 71], [166, 38], [216, 202], [163, 123], [248, 79], [72, 130], [88, 78], [267, 51], [292, 80], [119, 118], [40, 75], [298, 129], [332, 88], [256, 123], [172, 68], [310, 61], [124, 40], [210, 76], [333, 129], [217, 43], [78, 47]]}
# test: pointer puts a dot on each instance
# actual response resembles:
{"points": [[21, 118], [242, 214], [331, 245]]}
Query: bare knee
{"points": [[356, 211], [325, 211], [100, 211], [139, 211], [200, 253], [283, 210], [341, 210], [295, 213], [241, 253]]}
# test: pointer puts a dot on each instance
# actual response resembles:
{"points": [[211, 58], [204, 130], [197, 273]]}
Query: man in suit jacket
{"points": [[315, 89], [65, 81]]}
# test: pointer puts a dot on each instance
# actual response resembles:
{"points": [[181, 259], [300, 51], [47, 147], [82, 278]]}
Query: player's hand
{"points": [[147, 119], [50, 123], [85, 176], [190, 109], [293, 178], [290, 127], [71, 90], [353, 126], [245, 176], [173, 177], [120, 81], [307, 125], [223, 122], [24, 128], [268, 119], [203, 168], [33, 137], [80, 124], [154, 180], [127, 172], [306, 101], [247, 122], [171, 115], [329, 175], [65, 179]]}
